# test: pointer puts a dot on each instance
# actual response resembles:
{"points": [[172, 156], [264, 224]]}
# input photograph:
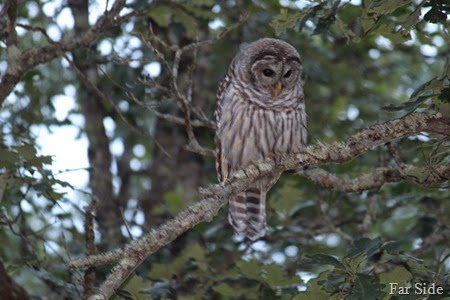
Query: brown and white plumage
{"points": [[260, 113]]}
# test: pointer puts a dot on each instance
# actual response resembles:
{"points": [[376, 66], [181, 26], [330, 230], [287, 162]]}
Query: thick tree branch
{"points": [[374, 180], [216, 196], [20, 63]]}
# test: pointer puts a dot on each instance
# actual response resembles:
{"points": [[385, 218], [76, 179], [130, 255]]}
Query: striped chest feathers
{"points": [[249, 133]]}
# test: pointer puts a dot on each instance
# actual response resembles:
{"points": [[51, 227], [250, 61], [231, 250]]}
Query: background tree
{"points": [[133, 83]]}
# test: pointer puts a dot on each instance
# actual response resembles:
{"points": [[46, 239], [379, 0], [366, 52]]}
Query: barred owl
{"points": [[260, 113]]}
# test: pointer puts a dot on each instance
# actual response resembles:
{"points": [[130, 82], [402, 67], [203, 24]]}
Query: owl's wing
{"points": [[222, 165]]}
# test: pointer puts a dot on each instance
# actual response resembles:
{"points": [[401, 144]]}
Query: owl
{"points": [[260, 114]]}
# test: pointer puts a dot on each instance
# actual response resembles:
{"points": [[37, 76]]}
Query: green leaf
{"points": [[392, 247], [176, 266], [397, 275], [202, 2], [188, 22], [333, 283], [384, 7], [407, 106], [387, 29], [8, 159], [200, 12], [3, 182], [365, 288], [412, 20], [323, 259], [52, 195], [174, 203], [234, 291], [271, 274], [162, 15], [427, 86], [251, 269], [420, 174], [287, 200], [225, 290], [364, 246], [442, 102], [134, 287], [286, 20], [276, 277], [314, 290], [27, 151]]}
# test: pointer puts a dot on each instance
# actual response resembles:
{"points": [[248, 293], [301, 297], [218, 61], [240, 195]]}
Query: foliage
{"points": [[363, 63]]}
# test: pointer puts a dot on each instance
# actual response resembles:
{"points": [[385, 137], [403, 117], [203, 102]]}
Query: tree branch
{"points": [[20, 63], [216, 196], [373, 180]]}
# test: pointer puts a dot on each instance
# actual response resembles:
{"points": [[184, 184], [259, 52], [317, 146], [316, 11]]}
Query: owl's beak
{"points": [[276, 90]]}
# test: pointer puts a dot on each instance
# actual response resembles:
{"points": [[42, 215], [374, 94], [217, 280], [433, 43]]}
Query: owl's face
{"points": [[273, 67]]}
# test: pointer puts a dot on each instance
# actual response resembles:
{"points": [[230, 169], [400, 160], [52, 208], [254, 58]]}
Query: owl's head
{"points": [[271, 66]]}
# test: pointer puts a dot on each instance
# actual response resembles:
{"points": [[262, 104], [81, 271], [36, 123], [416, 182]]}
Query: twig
{"points": [[104, 98], [89, 274]]}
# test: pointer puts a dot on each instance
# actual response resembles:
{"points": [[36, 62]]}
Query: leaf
{"points": [[202, 2], [159, 290], [3, 182], [314, 290], [434, 15], [442, 102], [176, 266], [277, 277], [200, 12], [162, 15], [286, 20], [27, 151], [333, 283], [225, 290], [233, 292], [364, 246], [392, 247], [288, 198], [324, 259], [174, 203], [419, 174], [8, 159], [188, 22], [429, 85], [365, 288], [272, 274], [52, 195], [387, 29], [397, 275], [250, 269], [407, 106], [412, 20], [384, 7], [134, 287], [367, 22]]}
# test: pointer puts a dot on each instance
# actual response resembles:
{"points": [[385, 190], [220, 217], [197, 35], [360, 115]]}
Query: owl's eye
{"points": [[268, 72], [288, 73]]}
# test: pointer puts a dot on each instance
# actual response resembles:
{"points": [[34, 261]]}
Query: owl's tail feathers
{"points": [[247, 213]]}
